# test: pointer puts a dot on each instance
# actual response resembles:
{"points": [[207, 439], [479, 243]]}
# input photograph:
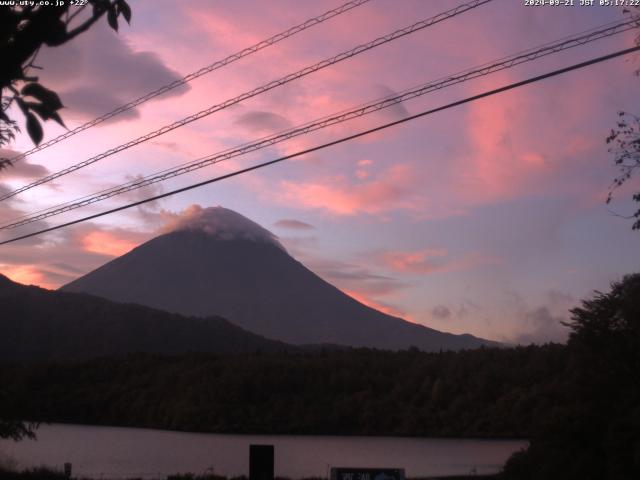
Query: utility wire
{"points": [[335, 142], [203, 71], [259, 90], [380, 104]]}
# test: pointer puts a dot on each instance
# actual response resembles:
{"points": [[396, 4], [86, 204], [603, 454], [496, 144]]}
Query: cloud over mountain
{"points": [[221, 223]]}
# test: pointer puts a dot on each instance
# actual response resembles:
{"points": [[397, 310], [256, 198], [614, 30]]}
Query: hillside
{"points": [[38, 324]]}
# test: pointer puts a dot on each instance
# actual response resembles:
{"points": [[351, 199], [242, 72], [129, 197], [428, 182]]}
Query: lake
{"points": [[112, 452]]}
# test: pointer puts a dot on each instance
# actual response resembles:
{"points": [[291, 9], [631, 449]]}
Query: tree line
{"points": [[475, 393]]}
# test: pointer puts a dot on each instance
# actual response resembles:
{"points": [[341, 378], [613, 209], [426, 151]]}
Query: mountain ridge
{"points": [[39, 324]]}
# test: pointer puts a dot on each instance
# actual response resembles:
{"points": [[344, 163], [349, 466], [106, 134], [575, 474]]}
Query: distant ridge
{"points": [[217, 262], [38, 325]]}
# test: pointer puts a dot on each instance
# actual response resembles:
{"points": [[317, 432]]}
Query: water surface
{"points": [[111, 452]]}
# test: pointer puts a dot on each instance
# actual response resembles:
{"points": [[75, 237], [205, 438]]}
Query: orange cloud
{"points": [[26, 274], [106, 243], [383, 307]]}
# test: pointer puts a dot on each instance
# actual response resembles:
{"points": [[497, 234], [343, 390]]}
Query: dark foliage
{"points": [[624, 143], [481, 393], [17, 430], [46, 474], [34, 474], [595, 433]]}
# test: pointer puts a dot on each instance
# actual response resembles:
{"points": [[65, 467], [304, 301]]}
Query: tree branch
{"points": [[75, 14], [85, 26], [616, 214]]}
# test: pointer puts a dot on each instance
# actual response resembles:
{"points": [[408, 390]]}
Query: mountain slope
{"points": [[38, 324], [232, 267]]}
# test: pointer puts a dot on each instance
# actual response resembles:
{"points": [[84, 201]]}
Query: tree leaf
{"points": [[34, 128], [123, 7], [57, 119], [45, 113], [54, 32], [112, 18], [46, 96]]}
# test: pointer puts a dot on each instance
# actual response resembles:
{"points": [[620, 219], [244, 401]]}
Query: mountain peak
{"points": [[221, 223]]}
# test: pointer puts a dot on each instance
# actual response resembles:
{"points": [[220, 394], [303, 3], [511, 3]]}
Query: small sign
{"points": [[367, 473]]}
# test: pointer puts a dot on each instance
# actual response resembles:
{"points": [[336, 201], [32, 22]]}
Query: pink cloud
{"points": [[424, 261], [531, 140], [107, 243], [24, 169], [393, 189], [499, 160], [431, 260]]}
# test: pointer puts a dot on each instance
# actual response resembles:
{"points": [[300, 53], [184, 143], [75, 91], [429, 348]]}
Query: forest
{"points": [[476, 393]]}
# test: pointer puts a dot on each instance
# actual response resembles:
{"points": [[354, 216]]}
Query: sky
{"points": [[487, 218]]}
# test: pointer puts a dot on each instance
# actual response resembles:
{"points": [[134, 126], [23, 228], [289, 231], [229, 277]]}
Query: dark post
{"points": [[261, 462], [67, 470]]}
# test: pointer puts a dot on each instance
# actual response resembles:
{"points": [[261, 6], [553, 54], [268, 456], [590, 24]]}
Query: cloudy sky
{"points": [[488, 218]]}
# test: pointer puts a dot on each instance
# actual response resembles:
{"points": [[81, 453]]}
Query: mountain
{"points": [[38, 324], [219, 262]]}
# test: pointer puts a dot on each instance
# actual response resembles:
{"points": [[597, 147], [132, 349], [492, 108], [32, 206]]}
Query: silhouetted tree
{"points": [[625, 146], [13, 429], [624, 141], [24, 29], [595, 431], [610, 323]]}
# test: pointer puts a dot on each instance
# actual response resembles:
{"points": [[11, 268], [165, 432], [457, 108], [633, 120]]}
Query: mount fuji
{"points": [[221, 263]]}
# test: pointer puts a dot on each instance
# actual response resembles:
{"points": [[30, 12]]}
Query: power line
{"points": [[334, 142], [203, 71], [259, 90], [371, 107]]}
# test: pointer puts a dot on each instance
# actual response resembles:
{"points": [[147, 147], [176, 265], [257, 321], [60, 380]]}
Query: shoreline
{"points": [[261, 434], [53, 474]]}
